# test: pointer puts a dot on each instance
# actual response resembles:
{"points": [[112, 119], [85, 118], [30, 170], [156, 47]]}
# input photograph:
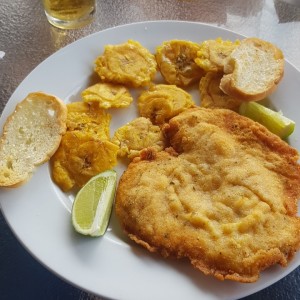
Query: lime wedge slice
{"points": [[274, 121], [92, 205]]}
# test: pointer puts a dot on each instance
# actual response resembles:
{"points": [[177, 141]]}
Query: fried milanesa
{"points": [[224, 196]]}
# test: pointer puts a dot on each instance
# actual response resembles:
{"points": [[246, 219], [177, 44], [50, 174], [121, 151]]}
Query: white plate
{"points": [[39, 213]]}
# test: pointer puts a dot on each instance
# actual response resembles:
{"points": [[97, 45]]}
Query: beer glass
{"points": [[69, 14]]}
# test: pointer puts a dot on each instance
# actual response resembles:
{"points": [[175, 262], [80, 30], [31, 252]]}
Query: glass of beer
{"points": [[69, 14]]}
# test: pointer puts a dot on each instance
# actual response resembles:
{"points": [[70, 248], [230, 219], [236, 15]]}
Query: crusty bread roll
{"points": [[31, 135], [253, 70]]}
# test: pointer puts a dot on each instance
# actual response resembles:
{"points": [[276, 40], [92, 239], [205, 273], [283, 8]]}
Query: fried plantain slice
{"points": [[211, 94], [81, 156], [162, 102], [107, 95], [89, 118], [176, 62], [137, 135], [129, 63], [85, 150], [214, 53]]}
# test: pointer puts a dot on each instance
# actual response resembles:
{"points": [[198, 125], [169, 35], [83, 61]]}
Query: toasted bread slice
{"points": [[253, 69], [31, 135]]}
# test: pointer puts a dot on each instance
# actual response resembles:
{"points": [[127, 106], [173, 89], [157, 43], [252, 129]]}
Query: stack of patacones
{"points": [[228, 74]]}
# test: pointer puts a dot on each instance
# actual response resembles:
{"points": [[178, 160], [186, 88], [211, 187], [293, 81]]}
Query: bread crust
{"points": [[253, 69], [31, 135]]}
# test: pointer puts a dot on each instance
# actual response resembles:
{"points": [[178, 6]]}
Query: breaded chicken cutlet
{"points": [[224, 195]]}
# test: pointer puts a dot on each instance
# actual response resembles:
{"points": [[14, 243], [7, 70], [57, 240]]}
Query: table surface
{"points": [[26, 39]]}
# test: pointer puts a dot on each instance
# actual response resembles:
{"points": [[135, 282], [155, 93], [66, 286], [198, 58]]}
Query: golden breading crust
{"points": [[224, 196]]}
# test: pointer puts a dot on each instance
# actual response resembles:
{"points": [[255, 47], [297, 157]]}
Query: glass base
{"points": [[71, 24]]}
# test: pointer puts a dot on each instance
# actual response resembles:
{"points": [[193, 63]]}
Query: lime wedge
{"points": [[274, 121], [92, 205]]}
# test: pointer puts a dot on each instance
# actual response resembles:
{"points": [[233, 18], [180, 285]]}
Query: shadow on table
{"points": [[287, 10]]}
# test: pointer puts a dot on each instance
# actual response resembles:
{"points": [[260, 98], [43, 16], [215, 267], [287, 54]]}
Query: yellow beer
{"points": [[69, 13]]}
